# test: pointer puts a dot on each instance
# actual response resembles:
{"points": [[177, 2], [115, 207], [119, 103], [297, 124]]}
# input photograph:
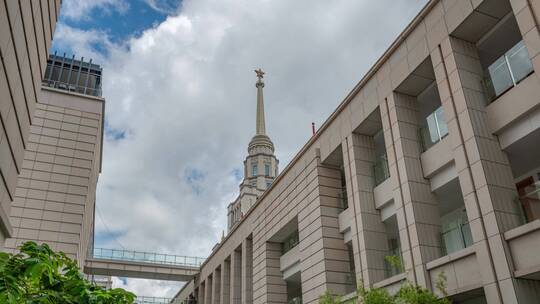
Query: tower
{"points": [[260, 165]]}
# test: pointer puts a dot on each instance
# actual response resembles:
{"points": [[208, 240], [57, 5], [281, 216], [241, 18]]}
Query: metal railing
{"points": [[152, 300], [456, 238], [380, 169], [507, 71], [528, 203], [146, 257], [435, 129], [343, 200]]}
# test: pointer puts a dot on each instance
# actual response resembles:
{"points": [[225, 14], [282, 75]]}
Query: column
{"points": [[208, 293], [368, 232], [247, 271], [324, 258], [200, 295], [225, 282], [484, 171], [216, 286], [268, 283], [417, 210], [236, 277]]}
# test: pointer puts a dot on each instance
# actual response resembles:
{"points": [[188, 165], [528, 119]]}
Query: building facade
{"points": [[432, 159], [51, 113], [260, 166], [26, 29]]}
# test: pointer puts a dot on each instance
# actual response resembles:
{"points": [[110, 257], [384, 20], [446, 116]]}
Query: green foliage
{"points": [[38, 275], [327, 298], [407, 294], [394, 261]]}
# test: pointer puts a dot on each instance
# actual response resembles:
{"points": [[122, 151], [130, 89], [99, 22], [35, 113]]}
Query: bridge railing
{"points": [[152, 300], [146, 257]]}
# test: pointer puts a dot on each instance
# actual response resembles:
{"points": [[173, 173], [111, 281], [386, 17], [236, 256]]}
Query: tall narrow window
{"points": [[254, 170], [267, 169]]}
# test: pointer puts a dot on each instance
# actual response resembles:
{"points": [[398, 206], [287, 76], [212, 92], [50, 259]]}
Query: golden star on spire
{"points": [[260, 73]]}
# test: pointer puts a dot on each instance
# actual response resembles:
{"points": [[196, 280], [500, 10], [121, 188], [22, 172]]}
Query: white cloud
{"points": [[164, 6], [183, 93], [164, 289], [79, 9]]}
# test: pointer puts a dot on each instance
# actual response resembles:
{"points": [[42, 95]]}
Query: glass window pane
{"points": [[519, 61], [441, 121], [500, 76], [432, 128]]}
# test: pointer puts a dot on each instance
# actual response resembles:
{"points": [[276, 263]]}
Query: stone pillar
{"points": [[417, 210], [208, 292], [236, 277], [484, 172], [268, 283], [200, 296], [247, 271], [216, 286], [225, 282], [368, 231], [324, 258], [528, 17]]}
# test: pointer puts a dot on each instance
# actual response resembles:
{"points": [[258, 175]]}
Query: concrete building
{"points": [[260, 166], [51, 114], [26, 29], [432, 158], [54, 200]]}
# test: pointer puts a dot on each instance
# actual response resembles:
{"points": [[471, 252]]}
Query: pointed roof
{"points": [[260, 138]]}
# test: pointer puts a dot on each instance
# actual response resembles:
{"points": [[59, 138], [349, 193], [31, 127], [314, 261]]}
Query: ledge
{"points": [[454, 256], [522, 230], [390, 280]]}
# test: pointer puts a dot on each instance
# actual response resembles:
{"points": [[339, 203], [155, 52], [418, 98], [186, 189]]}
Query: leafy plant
{"points": [[38, 275], [407, 294]]}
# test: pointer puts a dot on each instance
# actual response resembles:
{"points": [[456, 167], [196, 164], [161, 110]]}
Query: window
{"points": [[267, 169], [254, 170], [268, 184], [290, 242]]}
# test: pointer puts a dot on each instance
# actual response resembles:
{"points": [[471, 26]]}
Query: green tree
{"points": [[38, 275]]}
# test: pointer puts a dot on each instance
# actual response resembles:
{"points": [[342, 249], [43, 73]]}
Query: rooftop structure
{"points": [[73, 75]]}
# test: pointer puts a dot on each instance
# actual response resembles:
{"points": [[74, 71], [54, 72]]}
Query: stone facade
{"points": [[431, 159], [26, 29]]}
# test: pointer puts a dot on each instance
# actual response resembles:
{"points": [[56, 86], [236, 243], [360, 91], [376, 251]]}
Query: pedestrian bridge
{"points": [[142, 265], [152, 300]]}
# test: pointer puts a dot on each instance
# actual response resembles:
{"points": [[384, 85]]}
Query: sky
{"points": [[180, 101]]}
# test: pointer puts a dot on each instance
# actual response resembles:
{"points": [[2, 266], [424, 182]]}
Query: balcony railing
{"points": [[380, 169], [529, 203], [343, 200], [456, 238], [146, 257], [435, 129], [152, 300], [507, 71]]}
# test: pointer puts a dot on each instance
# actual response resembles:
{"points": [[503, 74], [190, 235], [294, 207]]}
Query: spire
{"points": [[261, 129]]}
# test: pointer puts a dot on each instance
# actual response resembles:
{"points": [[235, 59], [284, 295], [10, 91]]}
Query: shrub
{"points": [[39, 275]]}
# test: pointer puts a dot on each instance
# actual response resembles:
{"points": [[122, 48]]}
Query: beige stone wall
{"points": [[55, 196], [26, 29], [307, 190]]}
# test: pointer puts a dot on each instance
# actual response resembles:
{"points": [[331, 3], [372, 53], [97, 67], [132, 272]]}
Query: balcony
{"points": [[456, 238], [434, 130], [507, 71], [380, 169], [529, 202]]}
